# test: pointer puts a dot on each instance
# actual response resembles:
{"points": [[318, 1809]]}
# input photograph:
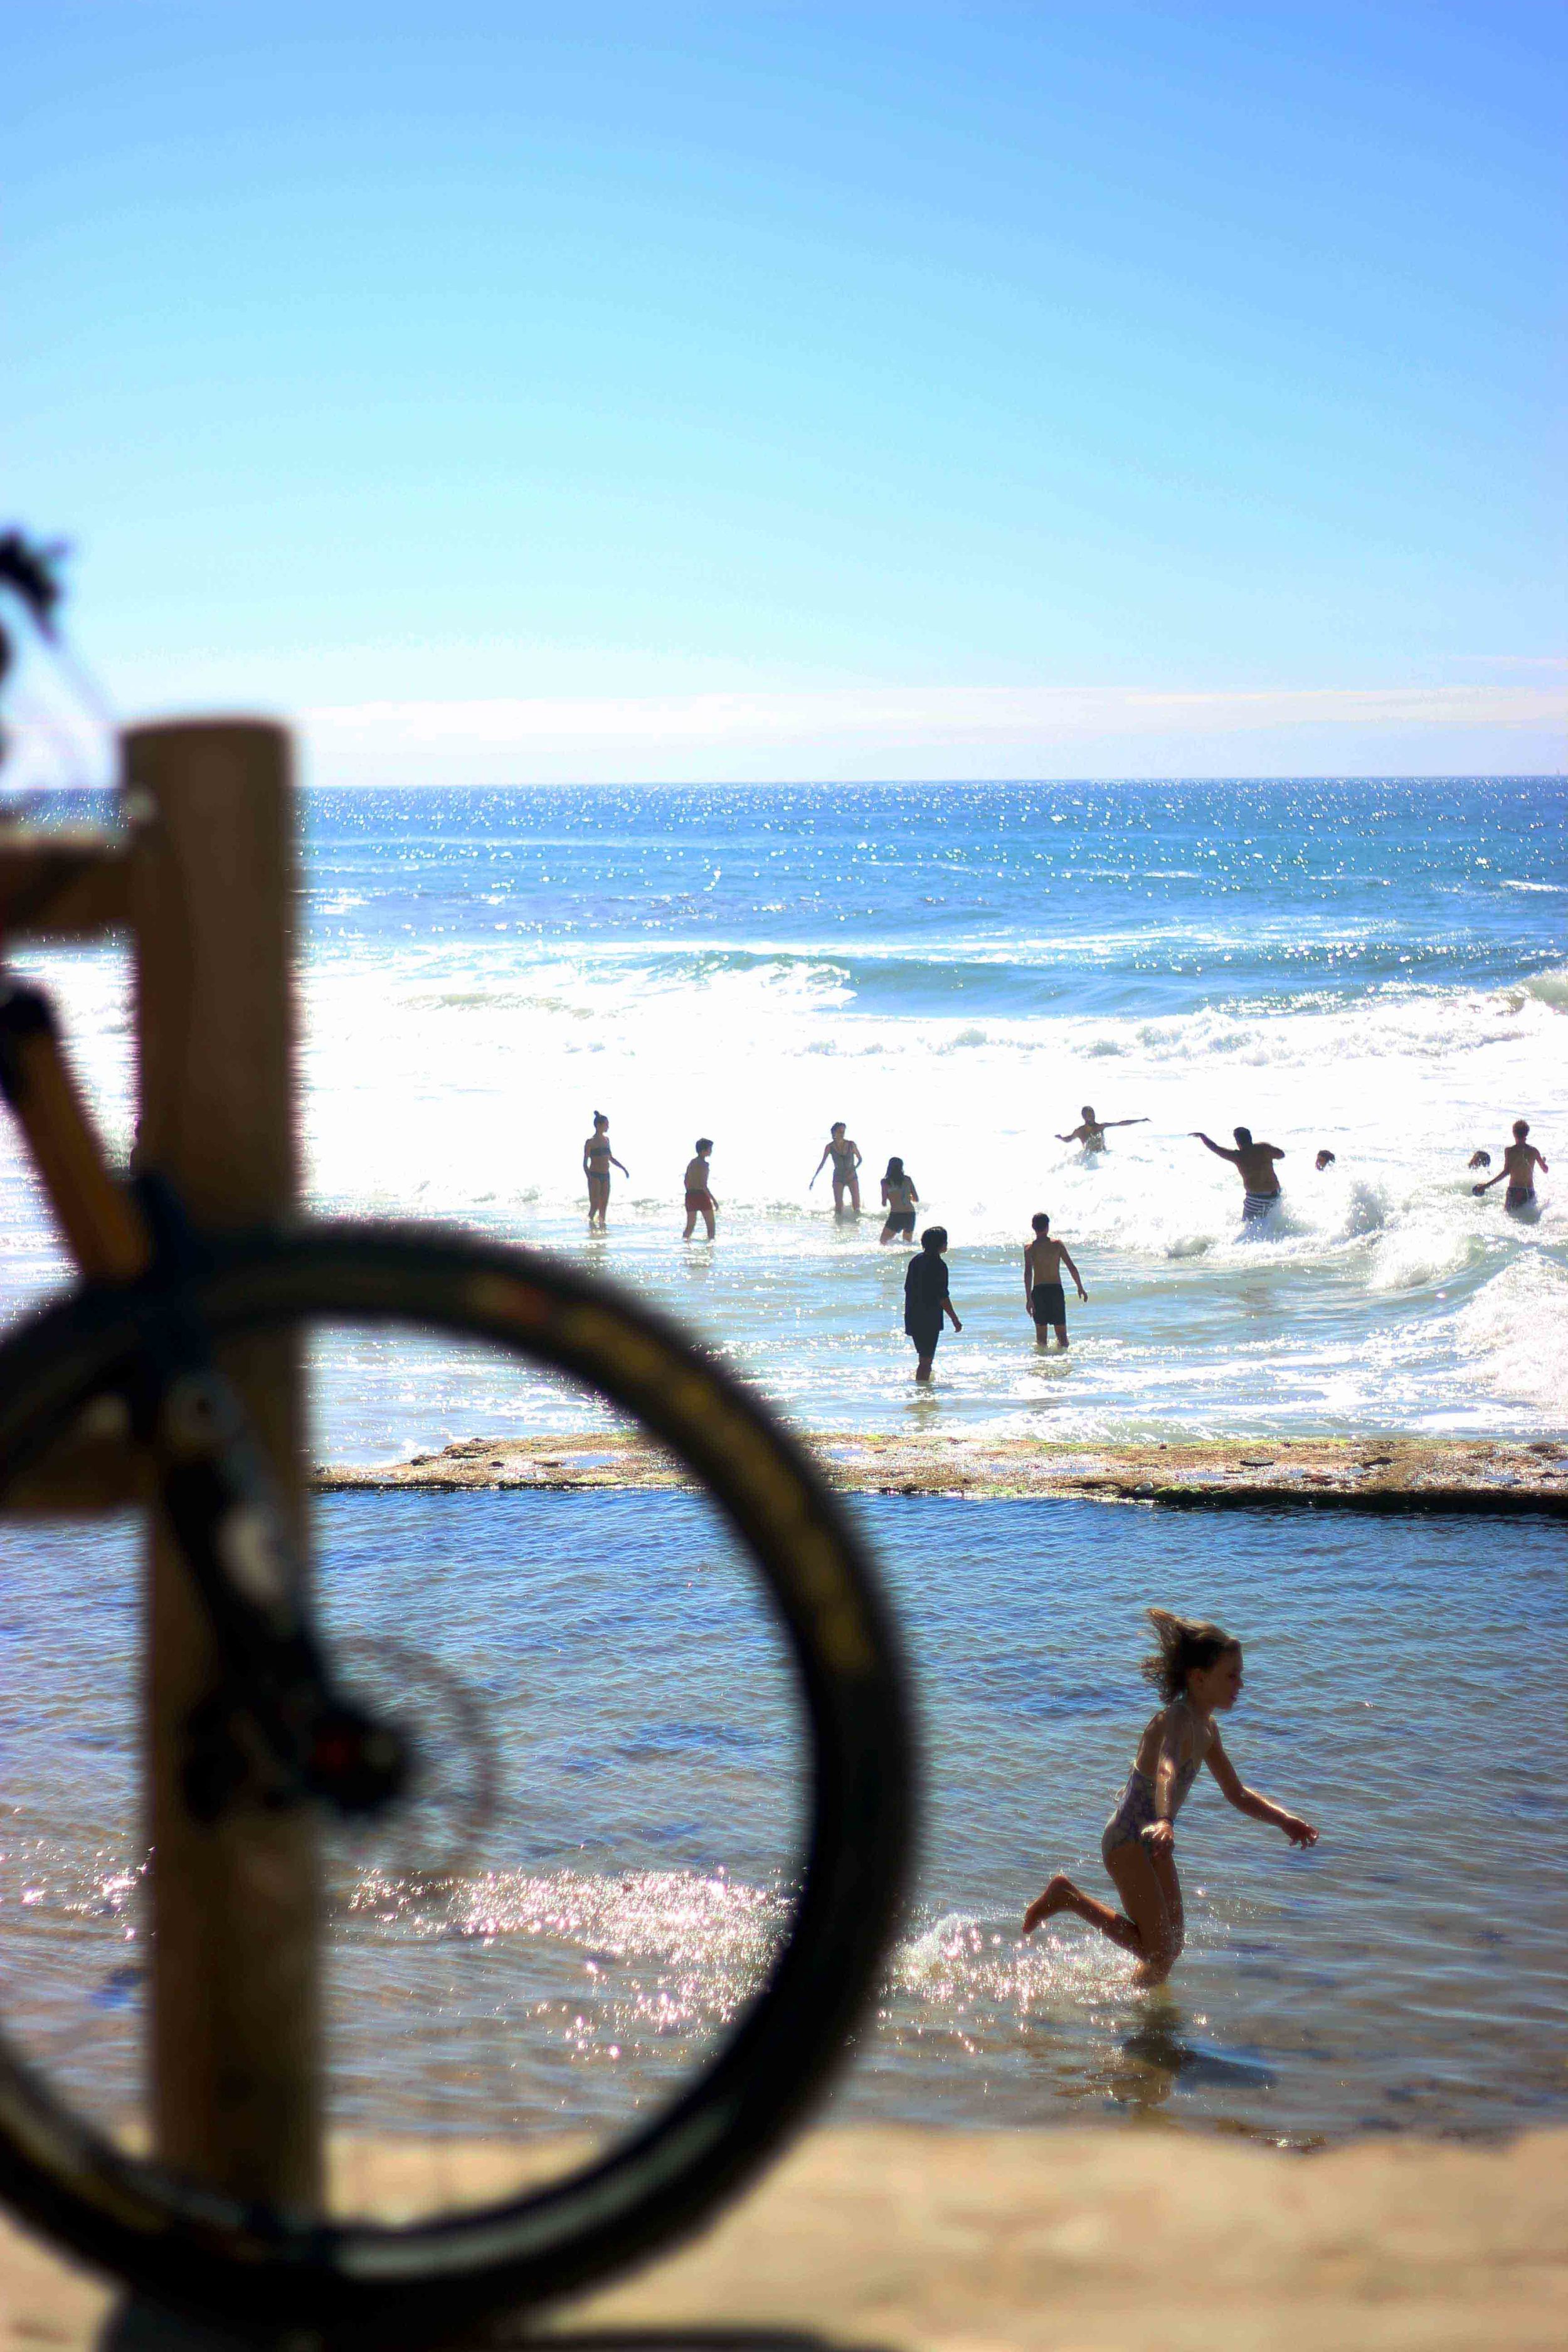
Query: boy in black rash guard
{"points": [[926, 1300]]}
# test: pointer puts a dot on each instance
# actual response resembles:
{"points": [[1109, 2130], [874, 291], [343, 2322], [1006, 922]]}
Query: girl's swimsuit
{"points": [[1135, 1807], [901, 1205], [844, 1161]]}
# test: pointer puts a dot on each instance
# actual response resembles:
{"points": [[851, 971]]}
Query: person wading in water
{"points": [[597, 1161], [925, 1298], [1042, 1294], [1196, 1669], [1254, 1162], [846, 1158]]}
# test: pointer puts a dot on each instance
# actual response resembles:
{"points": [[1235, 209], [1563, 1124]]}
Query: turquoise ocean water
{"points": [[1379, 968]]}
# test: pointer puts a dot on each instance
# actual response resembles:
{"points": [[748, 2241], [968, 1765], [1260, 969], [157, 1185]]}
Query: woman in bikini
{"points": [[846, 1158], [899, 1199], [1196, 1669], [597, 1161]]}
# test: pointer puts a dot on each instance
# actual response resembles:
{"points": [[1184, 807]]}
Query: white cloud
{"points": [[941, 732]]}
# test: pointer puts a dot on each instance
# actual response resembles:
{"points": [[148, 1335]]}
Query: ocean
{"points": [[1374, 967]]}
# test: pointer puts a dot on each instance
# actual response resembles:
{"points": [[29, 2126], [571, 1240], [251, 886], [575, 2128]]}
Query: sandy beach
{"points": [[1068, 2241], [1374, 1473]]}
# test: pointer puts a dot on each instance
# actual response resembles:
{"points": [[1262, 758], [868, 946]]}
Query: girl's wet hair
{"points": [[895, 1169], [1187, 1645]]}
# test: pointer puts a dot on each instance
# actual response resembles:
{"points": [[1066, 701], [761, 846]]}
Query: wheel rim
{"points": [[191, 2245]]}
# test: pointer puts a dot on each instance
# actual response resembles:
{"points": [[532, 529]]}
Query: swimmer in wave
{"points": [[1254, 1163], [1196, 1669], [1091, 1133], [1520, 1163]]}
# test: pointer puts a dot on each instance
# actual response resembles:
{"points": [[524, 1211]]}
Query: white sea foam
{"points": [[1515, 1332], [457, 1081]]}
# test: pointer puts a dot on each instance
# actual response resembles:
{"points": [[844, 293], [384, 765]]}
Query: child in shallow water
{"points": [[1196, 1669]]}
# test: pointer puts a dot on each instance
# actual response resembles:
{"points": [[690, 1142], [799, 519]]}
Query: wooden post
{"points": [[234, 1908]]}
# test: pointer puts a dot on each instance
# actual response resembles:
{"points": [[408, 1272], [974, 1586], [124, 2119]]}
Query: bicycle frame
{"points": [[275, 1727]]}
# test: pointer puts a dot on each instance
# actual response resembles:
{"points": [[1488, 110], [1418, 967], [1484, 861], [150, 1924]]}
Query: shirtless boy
{"points": [[1254, 1163], [699, 1201], [1091, 1134], [597, 1161], [1044, 1296], [1520, 1163], [846, 1158]]}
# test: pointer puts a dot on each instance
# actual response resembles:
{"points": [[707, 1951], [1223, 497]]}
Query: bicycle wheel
{"points": [[363, 2278]]}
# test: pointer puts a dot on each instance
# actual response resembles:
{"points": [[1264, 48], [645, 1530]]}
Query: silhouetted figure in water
{"points": [[1254, 1162], [899, 1198], [845, 1157], [1520, 1163], [699, 1201], [925, 1298], [1325, 1159], [1196, 1669], [1042, 1294], [597, 1161], [1091, 1133]]}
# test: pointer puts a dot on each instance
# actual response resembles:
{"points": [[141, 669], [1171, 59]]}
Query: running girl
{"points": [[1196, 1669]]}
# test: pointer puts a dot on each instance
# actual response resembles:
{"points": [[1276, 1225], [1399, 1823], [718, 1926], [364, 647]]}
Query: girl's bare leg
{"points": [[1061, 1894], [1152, 1893], [1150, 1926], [853, 1189]]}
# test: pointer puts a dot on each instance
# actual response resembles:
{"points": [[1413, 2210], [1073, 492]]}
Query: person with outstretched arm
{"points": [[1091, 1133], [1254, 1163]]}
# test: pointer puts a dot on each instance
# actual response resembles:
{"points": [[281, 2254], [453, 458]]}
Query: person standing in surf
{"points": [[1091, 1133], [899, 1199], [925, 1298], [846, 1158], [1254, 1162], [1196, 1669], [1044, 1296], [597, 1161], [699, 1201], [1520, 1163]]}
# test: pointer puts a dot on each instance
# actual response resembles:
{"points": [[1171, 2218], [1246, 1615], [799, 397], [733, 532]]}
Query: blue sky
{"points": [[852, 392]]}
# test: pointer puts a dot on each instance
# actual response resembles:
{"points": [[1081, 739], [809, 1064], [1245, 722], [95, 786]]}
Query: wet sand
{"points": [[1057, 2241], [1395, 1473]]}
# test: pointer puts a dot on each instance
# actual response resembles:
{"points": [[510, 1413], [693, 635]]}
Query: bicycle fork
{"points": [[275, 1726]]}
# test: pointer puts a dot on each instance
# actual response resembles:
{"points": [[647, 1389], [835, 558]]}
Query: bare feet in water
{"points": [[1056, 1896]]}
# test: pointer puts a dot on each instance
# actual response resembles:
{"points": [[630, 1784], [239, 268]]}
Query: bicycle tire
{"points": [[332, 2283]]}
